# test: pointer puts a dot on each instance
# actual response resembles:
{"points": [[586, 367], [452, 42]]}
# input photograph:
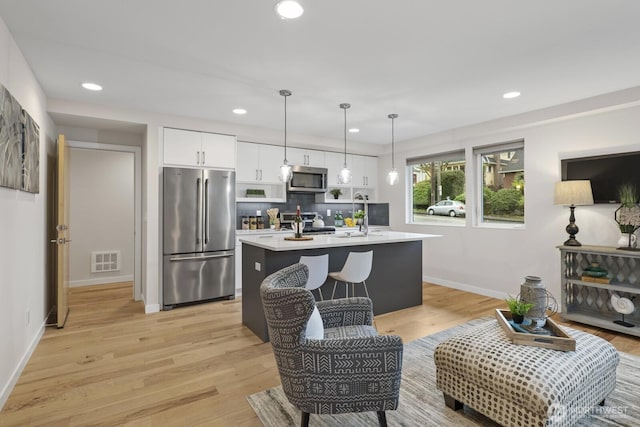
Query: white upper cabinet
{"points": [[191, 148], [334, 163], [218, 151], [303, 157], [259, 162], [364, 171]]}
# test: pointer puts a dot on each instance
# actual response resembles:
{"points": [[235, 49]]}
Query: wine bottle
{"points": [[297, 223]]}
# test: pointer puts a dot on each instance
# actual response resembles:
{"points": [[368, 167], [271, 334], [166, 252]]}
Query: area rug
{"points": [[421, 404]]}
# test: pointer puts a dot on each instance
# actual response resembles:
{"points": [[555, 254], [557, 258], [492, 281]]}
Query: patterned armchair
{"points": [[352, 369]]}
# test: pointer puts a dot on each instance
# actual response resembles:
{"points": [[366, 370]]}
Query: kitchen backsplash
{"points": [[378, 212]]}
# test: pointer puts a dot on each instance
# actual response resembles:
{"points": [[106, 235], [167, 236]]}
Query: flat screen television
{"points": [[606, 173]]}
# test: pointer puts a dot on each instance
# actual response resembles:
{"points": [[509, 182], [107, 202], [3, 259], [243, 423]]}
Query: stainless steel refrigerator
{"points": [[199, 212]]}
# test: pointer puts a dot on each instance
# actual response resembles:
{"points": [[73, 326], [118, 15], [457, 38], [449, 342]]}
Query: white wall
{"points": [[493, 261], [101, 196], [24, 289]]}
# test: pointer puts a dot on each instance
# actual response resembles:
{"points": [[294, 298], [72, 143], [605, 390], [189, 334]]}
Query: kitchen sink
{"points": [[350, 235]]}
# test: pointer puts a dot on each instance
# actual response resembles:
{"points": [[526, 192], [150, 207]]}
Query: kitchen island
{"points": [[395, 281]]}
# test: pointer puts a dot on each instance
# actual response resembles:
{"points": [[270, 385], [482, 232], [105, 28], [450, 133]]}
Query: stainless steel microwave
{"points": [[307, 179]]}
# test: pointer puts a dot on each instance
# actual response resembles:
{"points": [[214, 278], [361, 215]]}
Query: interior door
{"points": [[62, 233]]}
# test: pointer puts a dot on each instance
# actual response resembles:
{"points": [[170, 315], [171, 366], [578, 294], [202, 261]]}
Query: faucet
{"points": [[364, 226]]}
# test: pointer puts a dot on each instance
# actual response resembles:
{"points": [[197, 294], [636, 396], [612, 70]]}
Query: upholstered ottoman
{"points": [[518, 385]]}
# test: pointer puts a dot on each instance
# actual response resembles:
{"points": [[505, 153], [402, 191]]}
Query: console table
{"points": [[589, 302]]}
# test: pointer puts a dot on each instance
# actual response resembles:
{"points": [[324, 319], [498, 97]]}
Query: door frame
{"points": [[137, 209]]}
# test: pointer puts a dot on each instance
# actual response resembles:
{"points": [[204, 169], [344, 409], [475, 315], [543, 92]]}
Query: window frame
{"points": [[444, 156], [478, 185]]}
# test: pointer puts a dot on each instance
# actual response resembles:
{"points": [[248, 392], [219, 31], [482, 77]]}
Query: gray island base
{"points": [[395, 281]]}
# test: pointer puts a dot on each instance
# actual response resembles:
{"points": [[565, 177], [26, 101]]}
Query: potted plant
{"points": [[626, 215], [518, 308], [336, 193], [359, 217]]}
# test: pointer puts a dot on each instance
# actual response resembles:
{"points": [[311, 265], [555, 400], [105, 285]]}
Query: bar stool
{"points": [[318, 269], [356, 269]]}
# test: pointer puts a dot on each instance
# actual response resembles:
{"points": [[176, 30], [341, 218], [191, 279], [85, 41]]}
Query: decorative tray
{"points": [[557, 340], [298, 239]]}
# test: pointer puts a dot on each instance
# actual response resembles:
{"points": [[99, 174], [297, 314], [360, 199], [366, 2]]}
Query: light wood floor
{"points": [[114, 365]]}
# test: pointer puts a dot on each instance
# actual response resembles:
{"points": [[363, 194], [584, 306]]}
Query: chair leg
{"points": [[333, 294], [382, 419], [365, 288], [346, 290], [304, 420], [353, 289], [320, 292]]}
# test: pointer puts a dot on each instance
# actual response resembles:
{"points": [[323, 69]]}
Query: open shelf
{"points": [[590, 302]]}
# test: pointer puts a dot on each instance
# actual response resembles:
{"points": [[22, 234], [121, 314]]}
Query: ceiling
{"points": [[437, 64]]}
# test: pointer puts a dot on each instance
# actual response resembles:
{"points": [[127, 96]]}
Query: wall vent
{"points": [[105, 261]]}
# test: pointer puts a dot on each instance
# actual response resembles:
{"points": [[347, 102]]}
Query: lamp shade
{"points": [[575, 192]]}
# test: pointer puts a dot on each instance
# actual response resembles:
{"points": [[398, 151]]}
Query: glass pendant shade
{"points": [[285, 170], [344, 177], [392, 177]]}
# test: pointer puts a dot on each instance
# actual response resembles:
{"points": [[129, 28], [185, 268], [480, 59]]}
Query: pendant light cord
{"points": [[345, 137], [285, 93], [393, 140], [344, 107]]}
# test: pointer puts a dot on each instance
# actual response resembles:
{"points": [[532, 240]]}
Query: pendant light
{"points": [[285, 169], [345, 173], [392, 177]]}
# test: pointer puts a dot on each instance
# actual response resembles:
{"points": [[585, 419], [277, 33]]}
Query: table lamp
{"points": [[573, 193]]}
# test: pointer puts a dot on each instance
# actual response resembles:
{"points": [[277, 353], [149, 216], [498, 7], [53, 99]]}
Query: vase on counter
{"points": [[627, 240]]}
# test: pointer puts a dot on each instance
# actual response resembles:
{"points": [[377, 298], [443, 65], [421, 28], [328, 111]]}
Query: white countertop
{"points": [[277, 243], [339, 230]]}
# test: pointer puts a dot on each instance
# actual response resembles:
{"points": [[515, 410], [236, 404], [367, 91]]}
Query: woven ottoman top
{"points": [[528, 376]]}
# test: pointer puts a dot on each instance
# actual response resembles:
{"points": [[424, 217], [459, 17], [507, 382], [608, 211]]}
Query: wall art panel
{"points": [[10, 140]]}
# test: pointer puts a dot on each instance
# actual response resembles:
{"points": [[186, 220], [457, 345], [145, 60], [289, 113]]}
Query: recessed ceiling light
{"points": [[510, 95], [289, 9], [354, 130], [239, 111], [91, 86]]}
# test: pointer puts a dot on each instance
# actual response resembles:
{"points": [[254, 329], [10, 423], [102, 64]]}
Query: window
{"points": [[437, 188], [501, 170]]}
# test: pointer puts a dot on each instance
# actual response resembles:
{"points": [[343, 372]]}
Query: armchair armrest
{"points": [[346, 312]]}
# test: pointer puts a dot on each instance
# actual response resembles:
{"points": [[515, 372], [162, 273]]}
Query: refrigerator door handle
{"points": [[198, 211], [206, 211], [199, 258]]}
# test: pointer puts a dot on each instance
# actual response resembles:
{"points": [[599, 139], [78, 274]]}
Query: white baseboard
{"points": [[8, 388], [100, 281], [465, 287], [238, 292], [151, 308]]}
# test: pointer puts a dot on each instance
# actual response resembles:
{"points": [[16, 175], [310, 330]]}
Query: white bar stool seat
{"points": [[318, 270], [356, 269]]}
